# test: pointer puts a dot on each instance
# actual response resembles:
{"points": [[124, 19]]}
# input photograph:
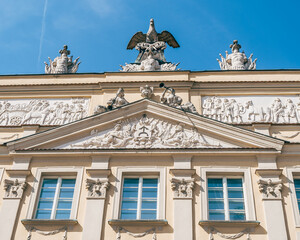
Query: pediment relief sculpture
{"points": [[236, 60], [14, 188], [145, 132], [63, 63], [151, 48]]}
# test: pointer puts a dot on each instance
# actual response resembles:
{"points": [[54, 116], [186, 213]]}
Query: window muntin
{"points": [[226, 199], [139, 198], [56, 198]]}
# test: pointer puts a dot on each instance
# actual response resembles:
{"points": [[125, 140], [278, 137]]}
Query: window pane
{"points": [[47, 193], [215, 193], [45, 204], [131, 182], [232, 193], [237, 216], [130, 192], [298, 194], [150, 182], [236, 204], [62, 214], [48, 182], [128, 214], [66, 193], [43, 214], [215, 182], [148, 214], [213, 204], [234, 182], [129, 204], [216, 216], [149, 193], [297, 183], [149, 204], [68, 182], [63, 204]]}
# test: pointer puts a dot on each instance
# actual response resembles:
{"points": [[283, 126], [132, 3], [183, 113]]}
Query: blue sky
{"points": [[98, 31]]}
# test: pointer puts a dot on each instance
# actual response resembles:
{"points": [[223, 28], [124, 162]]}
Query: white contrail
{"points": [[42, 32]]}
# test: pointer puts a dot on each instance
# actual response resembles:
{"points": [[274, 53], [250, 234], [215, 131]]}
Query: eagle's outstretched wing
{"points": [[167, 37], [137, 38]]}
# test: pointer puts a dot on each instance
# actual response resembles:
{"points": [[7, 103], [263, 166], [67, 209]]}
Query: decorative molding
{"points": [[135, 222], [136, 235], [42, 111], [182, 188], [47, 233], [14, 188], [250, 109], [270, 189], [63, 63], [213, 230], [236, 60], [97, 188], [144, 133]]}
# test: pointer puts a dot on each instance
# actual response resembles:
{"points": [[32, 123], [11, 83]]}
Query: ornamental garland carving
{"points": [[274, 109], [14, 188], [182, 188], [145, 132], [42, 111], [97, 188], [270, 189]]}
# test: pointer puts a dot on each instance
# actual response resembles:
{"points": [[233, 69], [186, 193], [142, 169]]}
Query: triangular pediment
{"points": [[145, 124]]}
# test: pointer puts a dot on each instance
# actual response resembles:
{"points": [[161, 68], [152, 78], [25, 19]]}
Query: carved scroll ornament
{"points": [[14, 188], [270, 189], [182, 188], [97, 188]]}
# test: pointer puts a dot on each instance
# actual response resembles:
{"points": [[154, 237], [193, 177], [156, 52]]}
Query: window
{"points": [[226, 199], [227, 194], [139, 198], [55, 193], [140, 194], [56, 198]]}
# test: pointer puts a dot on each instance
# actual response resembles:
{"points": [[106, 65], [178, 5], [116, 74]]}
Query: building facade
{"points": [[206, 155]]}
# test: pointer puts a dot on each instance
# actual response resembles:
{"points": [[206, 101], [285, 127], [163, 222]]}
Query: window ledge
{"points": [[121, 222], [229, 223], [52, 222]]}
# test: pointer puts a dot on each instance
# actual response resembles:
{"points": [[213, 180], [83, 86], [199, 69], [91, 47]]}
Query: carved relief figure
{"points": [[236, 60], [151, 48], [119, 100], [183, 188], [146, 91], [145, 133], [14, 189], [63, 63], [42, 111], [270, 188], [231, 111], [97, 188]]}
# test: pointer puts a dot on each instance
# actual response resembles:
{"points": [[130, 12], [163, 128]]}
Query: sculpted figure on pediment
{"points": [[119, 100], [145, 133], [290, 111]]}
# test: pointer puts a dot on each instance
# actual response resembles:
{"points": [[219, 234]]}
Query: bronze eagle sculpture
{"points": [[152, 36]]}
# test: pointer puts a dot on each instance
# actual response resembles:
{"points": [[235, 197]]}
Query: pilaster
{"points": [[96, 185]]}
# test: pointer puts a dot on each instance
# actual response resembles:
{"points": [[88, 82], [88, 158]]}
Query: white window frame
{"points": [[126, 172], [59, 172], [291, 174], [228, 172]]}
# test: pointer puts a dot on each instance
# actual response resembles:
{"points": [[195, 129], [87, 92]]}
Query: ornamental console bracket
{"points": [[14, 188], [97, 188], [270, 189], [182, 188]]}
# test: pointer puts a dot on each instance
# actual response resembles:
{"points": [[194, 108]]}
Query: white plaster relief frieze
{"points": [[42, 111], [97, 188], [182, 188], [270, 189], [145, 132], [249, 109], [14, 188]]}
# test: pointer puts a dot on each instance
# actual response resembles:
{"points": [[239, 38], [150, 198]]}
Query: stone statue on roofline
{"points": [[62, 63], [151, 48], [236, 60]]}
